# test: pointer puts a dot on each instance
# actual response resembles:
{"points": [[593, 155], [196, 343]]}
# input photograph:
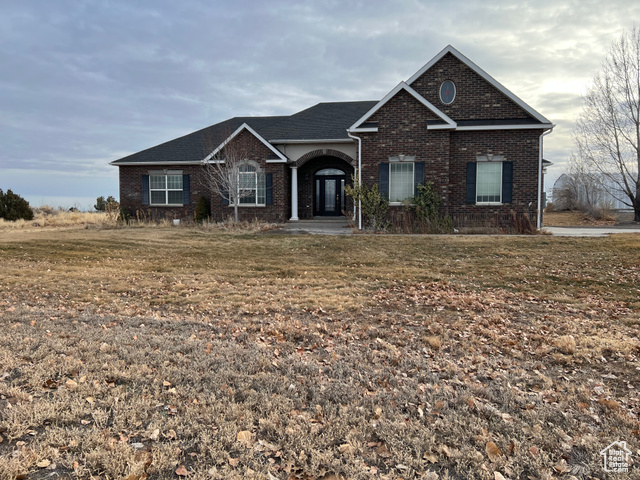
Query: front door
{"points": [[329, 192]]}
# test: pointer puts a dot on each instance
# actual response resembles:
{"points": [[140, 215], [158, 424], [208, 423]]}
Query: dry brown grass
{"points": [[127, 353], [46, 216], [575, 218]]}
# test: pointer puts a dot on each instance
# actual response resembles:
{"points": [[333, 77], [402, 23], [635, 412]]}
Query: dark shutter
{"points": [[418, 176], [384, 180], [268, 180], [145, 189], [507, 182], [225, 197], [471, 182], [186, 190]]}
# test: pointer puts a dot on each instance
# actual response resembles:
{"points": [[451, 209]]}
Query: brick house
{"points": [[450, 123]]}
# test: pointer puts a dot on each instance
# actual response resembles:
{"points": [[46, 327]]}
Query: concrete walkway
{"points": [[319, 226], [592, 231], [340, 226]]}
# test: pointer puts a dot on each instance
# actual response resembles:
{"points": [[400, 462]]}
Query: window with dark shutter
{"points": [[418, 176], [471, 182], [507, 182], [383, 182], [269, 188], [145, 189], [186, 190]]}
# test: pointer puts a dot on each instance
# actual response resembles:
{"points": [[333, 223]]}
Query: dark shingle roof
{"points": [[324, 121]]}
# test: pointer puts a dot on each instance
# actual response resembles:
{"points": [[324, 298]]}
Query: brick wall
{"points": [[131, 192], [402, 130], [475, 98], [518, 146], [252, 149], [249, 147]]}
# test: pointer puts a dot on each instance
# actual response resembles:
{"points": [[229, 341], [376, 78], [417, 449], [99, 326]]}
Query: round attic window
{"points": [[447, 92]]}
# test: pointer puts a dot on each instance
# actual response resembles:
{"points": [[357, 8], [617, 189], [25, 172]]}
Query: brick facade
{"points": [[405, 126], [402, 130], [476, 99], [131, 192]]}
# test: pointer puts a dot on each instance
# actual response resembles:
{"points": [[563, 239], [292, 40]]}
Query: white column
{"points": [[294, 194]]}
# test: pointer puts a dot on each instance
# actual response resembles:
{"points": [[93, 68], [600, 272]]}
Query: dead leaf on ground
{"points": [[71, 384], [234, 462], [493, 451], [245, 438], [562, 467], [430, 457], [182, 471], [346, 449], [141, 476], [43, 463], [383, 451], [610, 404]]}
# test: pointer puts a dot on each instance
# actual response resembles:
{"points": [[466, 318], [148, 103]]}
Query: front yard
{"points": [[179, 353]]}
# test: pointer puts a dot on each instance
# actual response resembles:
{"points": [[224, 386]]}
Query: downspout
{"points": [[359, 176], [539, 219]]}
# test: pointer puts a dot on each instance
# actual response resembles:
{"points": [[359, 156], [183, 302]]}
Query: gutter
{"points": [[359, 176], [539, 219]]}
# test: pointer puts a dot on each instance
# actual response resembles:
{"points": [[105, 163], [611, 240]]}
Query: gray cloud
{"points": [[84, 83]]}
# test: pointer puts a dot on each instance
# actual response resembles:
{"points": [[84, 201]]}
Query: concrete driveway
{"points": [[331, 226], [592, 231]]}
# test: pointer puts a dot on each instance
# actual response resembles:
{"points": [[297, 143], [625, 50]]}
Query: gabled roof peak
{"points": [[456, 53], [448, 123]]}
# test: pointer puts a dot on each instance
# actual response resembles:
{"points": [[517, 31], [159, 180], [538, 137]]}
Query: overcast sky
{"points": [[83, 82]]}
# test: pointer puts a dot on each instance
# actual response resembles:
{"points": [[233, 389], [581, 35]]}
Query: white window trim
{"points": [[405, 160], [166, 190], [258, 172], [484, 161]]}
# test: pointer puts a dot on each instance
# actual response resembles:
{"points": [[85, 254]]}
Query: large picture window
{"points": [[401, 182], [489, 182], [166, 189], [251, 185]]}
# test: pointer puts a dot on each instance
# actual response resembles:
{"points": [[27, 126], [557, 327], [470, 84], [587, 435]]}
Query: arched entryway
{"points": [[321, 181], [328, 192]]}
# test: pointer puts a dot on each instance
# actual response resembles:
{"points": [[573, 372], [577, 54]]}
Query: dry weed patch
{"points": [[181, 353]]}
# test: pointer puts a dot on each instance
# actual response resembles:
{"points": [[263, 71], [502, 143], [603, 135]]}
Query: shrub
{"points": [[427, 206], [202, 210], [14, 207], [374, 205], [110, 204]]}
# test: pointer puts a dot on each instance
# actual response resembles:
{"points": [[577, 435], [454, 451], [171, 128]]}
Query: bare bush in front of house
{"points": [[427, 207], [375, 206]]}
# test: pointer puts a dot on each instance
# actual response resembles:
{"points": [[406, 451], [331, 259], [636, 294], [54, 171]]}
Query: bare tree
{"points": [[607, 133], [229, 173]]}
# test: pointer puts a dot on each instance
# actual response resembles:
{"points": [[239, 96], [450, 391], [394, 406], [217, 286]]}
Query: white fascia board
{"points": [[151, 164], [483, 74], [324, 140], [242, 127], [363, 130], [442, 127], [391, 94], [276, 161], [543, 126]]}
